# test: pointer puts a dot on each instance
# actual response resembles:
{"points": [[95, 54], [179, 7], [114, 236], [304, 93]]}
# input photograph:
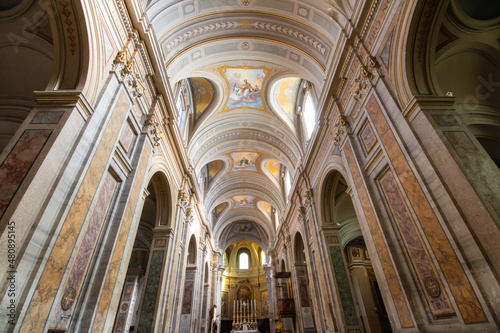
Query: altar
{"points": [[244, 317], [245, 329]]}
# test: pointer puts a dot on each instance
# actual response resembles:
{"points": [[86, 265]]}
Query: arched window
{"points": [[263, 255], [181, 103], [309, 115], [243, 261], [288, 183]]}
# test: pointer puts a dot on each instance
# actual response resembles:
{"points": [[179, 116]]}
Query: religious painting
{"points": [[286, 94], [243, 201], [274, 167], [244, 161], [244, 228], [219, 209], [264, 303], [202, 95], [213, 169], [267, 207], [244, 293], [224, 304], [245, 86]]}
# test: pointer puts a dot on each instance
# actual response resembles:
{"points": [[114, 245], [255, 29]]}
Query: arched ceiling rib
{"points": [[257, 186]]}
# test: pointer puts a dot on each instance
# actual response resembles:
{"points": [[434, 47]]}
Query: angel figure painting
{"points": [[244, 161], [245, 87], [243, 201]]}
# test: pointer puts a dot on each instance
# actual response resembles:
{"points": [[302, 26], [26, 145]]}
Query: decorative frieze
{"points": [[367, 77], [340, 130], [182, 198], [189, 215], [153, 128], [125, 68], [309, 196], [302, 214], [254, 25], [70, 29]]}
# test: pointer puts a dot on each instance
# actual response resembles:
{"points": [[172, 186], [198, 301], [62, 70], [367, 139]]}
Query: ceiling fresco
{"points": [[241, 201], [214, 168], [244, 85], [274, 168], [247, 63], [219, 209], [203, 95], [286, 94], [244, 161]]}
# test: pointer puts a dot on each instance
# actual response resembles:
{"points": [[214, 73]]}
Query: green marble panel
{"points": [[343, 286], [149, 301]]}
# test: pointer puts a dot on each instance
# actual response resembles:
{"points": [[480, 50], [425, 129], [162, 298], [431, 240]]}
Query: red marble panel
{"points": [[112, 283], [18, 163], [423, 265], [127, 137], [187, 300], [464, 294], [304, 298], [89, 240], [120, 325], [367, 137], [51, 280], [391, 276]]}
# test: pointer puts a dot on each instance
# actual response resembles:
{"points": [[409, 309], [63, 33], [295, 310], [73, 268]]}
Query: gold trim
{"points": [[374, 159], [209, 40], [122, 162], [77, 100]]}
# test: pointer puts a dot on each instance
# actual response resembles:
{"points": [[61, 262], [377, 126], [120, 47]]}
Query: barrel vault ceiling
{"points": [[243, 63]]}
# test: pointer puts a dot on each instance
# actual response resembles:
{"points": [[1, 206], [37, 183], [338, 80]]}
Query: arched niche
{"points": [[299, 254], [159, 190], [192, 255], [206, 273]]}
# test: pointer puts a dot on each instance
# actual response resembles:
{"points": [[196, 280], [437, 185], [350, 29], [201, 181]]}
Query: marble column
{"points": [[272, 298], [471, 177], [368, 305], [200, 294], [185, 221], [128, 304], [218, 293]]}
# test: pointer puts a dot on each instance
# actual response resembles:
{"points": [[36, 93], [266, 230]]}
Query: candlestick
{"points": [[255, 312]]}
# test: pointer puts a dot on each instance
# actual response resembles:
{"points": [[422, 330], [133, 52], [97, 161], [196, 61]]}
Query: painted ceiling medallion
{"points": [[245, 3], [241, 201], [244, 85], [244, 161]]}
